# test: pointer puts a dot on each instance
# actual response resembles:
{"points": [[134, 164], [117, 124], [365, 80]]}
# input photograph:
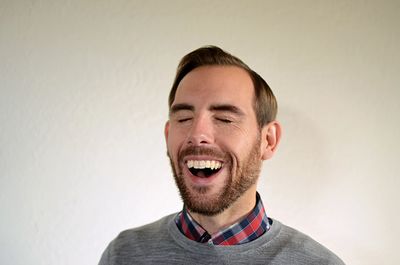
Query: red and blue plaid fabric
{"points": [[251, 227]]}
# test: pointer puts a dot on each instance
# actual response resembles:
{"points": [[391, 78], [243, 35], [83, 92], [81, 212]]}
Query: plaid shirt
{"points": [[251, 227]]}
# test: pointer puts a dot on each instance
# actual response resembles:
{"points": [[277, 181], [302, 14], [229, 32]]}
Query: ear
{"points": [[166, 130], [270, 137]]}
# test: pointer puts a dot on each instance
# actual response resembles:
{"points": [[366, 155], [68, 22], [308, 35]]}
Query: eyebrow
{"points": [[227, 108], [216, 107], [181, 106]]}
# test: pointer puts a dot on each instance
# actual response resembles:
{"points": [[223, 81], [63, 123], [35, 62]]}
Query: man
{"points": [[221, 127]]}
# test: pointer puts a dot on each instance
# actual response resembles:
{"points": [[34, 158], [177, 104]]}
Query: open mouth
{"points": [[204, 168]]}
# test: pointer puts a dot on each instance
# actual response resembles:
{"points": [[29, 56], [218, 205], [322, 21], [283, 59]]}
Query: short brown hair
{"points": [[265, 105]]}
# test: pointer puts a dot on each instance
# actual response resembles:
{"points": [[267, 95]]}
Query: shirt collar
{"points": [[248, 229]]}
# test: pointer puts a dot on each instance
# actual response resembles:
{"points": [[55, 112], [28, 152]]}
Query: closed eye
{"points": [[183, 120], [223, 120]]}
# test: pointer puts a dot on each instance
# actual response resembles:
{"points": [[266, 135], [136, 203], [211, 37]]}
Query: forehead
{"points": [[215, 85]]}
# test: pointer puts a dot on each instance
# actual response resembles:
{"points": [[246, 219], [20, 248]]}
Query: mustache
{"points": [[199, 150]]}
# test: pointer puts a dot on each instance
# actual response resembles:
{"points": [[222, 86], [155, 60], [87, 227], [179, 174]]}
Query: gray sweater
{"points": [[161, 242]]}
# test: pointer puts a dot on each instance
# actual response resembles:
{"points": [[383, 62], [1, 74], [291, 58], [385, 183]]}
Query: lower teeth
{"points": [[203, 173]]}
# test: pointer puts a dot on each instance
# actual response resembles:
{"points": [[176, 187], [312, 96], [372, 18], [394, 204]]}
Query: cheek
{"points": [[240, 146], [174, 141], [237, 141]]}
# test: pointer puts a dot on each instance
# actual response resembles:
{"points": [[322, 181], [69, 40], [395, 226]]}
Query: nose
{"points": [[201, 132]]}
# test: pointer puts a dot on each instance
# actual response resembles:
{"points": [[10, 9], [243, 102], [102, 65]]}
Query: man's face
{"points": [[213, 139]]}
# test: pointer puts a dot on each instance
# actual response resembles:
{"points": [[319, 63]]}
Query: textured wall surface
{"points": [[83, 102]]}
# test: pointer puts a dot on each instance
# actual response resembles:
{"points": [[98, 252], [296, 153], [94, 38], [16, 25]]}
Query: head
{"points": [[265, 104], [221, 127]]}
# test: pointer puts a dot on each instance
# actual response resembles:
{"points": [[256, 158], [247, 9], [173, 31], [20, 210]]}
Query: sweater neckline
{"points": [[197, 247]]}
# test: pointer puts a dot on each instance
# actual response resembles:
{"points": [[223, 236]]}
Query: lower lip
{"points": [[201, 181]]}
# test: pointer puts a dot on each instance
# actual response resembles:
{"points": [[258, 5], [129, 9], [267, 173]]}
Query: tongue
{"points": [[201, 174]]}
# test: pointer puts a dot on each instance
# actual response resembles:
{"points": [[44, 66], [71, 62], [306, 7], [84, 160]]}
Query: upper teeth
{"points": [[200, 164]]}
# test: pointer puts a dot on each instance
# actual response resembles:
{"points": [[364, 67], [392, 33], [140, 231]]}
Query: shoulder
{"points": [[306, 250], [144, 232], [135, 242]]}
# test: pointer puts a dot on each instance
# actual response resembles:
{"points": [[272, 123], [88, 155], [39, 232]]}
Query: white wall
{"points": [[83, 101]]}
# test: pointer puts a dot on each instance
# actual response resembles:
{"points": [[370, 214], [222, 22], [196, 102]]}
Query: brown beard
{"points": [[236, 184]]}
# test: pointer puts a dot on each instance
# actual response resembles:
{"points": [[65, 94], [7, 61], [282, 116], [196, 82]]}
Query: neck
{"points": [[237, 211]]}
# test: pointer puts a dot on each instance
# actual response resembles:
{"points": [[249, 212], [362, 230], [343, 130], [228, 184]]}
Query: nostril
{"points": [[198, 140]]}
